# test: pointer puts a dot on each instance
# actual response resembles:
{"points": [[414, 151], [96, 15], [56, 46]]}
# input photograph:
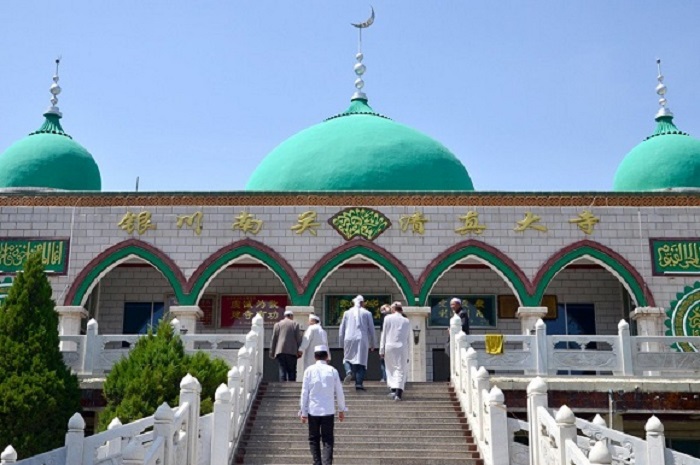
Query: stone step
{"points": [[373, 415], [438, 427], [449, 436], [387, 406], [380, 445], [390, 451], [357, 459]]}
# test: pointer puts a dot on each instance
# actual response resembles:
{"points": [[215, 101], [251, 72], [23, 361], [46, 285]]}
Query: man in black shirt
{"points": [[456, 305]]}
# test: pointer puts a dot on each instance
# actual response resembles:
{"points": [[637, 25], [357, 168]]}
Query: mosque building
{"points": [[408, 226]]}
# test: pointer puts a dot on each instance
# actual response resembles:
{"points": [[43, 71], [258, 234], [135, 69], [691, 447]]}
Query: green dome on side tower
{"points": [[669, 159], [360, 150], [49, 158]]}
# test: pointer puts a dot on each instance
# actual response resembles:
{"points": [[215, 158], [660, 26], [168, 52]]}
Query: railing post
{"points": [[566, 430], [471, 367], [91, 351], [243, 364], [536, 397], [600, 455], [458, 375], [220, 426], [541, 348], [656, 442], [259, 328], [481, 386], [251, 343], [69, 318], [624, 341], [455, 329], [190, 391], [115, 445], [74, 439], [8, 456], [163, 427], [499, 442], [234, 385]]}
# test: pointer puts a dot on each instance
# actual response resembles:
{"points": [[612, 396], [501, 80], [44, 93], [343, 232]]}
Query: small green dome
{"points": [[360, 150], [668, 159], [49, 159]]}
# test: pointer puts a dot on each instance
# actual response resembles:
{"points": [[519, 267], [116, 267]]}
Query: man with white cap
{"points": [[395, 348], [314, 336], [320, 391], [456, 305], [284, 346], [356, 335]]}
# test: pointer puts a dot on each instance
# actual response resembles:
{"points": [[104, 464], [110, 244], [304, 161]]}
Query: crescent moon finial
{"points": [[661, 91], [367, 23], [55, 89]]}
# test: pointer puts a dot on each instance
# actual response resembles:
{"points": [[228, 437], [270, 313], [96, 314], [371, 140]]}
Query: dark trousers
{"points": [[358, 372], [321, 429], [287, 367]]}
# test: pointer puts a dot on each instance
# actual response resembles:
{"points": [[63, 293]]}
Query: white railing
{"points": [[95, 354], [553, 440], [171, 436], [618, 355]]}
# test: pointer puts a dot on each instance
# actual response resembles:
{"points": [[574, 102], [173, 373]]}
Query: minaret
{"points": [[359, 67]]}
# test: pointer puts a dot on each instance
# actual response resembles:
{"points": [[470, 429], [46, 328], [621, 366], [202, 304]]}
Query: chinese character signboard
{"points": [[14, 252], [336, 305], [482, 310], [675, 256], [239, 310]]}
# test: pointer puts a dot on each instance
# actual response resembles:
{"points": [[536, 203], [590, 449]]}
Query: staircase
{"points": [[426, 428]]}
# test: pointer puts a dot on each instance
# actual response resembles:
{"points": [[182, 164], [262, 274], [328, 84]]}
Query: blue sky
{"points": [[529, 95]]}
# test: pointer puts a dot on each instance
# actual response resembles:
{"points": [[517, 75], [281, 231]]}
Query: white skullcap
{"points": [[314, 317], [455, 299], [288, 312], [321, 348], [359, 298], [397, 304]]}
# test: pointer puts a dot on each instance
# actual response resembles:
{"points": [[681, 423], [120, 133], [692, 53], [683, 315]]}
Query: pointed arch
{"points": [[258, 251], [499, 262], [381, 257], [119, 253], [602, 255]]}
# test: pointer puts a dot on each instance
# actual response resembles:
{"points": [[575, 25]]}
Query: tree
{"points": [[38, 393], [151, 375]]}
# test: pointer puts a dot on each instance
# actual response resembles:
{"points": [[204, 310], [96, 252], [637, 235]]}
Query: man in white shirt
{"points": [[356, 336], [395, 349], [319, 392], [314, 336]]}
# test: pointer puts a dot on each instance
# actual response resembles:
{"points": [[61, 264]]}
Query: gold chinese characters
{"points": [[247, 223], [306, 222], [139, 222], [585, 221], [529, 223], [471, 224], [194, 221], [416, 222]]}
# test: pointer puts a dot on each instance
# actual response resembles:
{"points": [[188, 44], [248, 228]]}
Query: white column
{"points": [[69, 318], [301, 316], [188, 316], [528, 317], [418, 316], [650, 322]]}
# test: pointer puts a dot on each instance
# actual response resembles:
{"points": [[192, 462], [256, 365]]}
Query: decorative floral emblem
{"points": [[359, 222], [684, 316]]}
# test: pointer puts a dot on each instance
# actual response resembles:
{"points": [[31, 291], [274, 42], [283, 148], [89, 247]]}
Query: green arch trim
{"points": [[382, 258], [102, 262], [505, 266], [610, 258], [224, 256]]}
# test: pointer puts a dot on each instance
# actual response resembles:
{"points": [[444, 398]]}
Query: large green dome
{"points": [[668, 159], [360, 150], [49, 159]]}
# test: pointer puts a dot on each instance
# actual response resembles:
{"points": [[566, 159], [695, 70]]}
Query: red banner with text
{"points": [[239, 310]]}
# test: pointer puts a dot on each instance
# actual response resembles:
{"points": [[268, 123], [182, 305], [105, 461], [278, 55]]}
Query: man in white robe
{"points": [[356, 335], [314, 336], [395, 349]]}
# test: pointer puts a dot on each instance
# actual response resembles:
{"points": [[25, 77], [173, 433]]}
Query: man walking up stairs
{"points": [[427, 428]]}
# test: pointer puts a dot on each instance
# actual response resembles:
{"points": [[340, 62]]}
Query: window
{"points": [[139, 316]]}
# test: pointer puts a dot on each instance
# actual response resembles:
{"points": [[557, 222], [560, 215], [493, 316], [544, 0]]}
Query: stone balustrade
{"points": [[540, 354], [172, 435]]}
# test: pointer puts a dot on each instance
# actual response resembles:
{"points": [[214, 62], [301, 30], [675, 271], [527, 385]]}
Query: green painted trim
{"points": [[383, 262], [562, 262], [110, 260], [485, 255], [220, 262]]}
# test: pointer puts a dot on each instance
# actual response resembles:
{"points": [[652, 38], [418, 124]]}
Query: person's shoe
{"points": [[391, 395], [397, 398], [360, 388], [348, 378]]}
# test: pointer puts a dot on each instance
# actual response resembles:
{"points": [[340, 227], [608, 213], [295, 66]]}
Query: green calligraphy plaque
{"points": [[336, 305], [14, 253], [675, 256]]}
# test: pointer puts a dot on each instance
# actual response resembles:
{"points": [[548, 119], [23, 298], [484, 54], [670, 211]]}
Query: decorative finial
{"points": [[661, 90], [359, 67], [55, 89]]}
